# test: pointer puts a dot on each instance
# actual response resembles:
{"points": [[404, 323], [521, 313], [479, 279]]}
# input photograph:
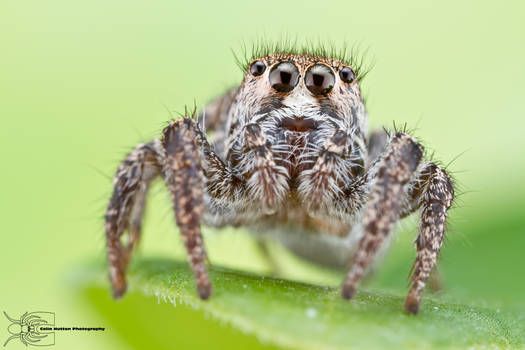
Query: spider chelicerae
{"points": [[290, 157]]}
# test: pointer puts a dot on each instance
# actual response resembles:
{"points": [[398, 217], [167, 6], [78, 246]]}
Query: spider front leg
{"points": [[394, 171], [177, 158], [184, 176]]}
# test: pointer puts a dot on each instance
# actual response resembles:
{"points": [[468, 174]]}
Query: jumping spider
{"points": [[290, 156]]}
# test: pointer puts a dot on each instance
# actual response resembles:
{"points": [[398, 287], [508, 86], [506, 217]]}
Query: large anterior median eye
{"points": [[284, 77], [319, 79]]}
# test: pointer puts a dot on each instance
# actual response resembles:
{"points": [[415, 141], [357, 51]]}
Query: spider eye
{"points": [[257, 68], [284, 77], [347, 75], [319, 79]]}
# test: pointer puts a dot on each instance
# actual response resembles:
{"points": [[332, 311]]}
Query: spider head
{"points": [[299, 101]]}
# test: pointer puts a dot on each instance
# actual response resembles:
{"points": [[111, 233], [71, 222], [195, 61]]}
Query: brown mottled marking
{"points": [[126, 206], [185, 180], [177, 158], [382, 211], [435, 198]]}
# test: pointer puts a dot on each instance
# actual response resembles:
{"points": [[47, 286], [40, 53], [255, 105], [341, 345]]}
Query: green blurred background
{"points": [[81, 82]]}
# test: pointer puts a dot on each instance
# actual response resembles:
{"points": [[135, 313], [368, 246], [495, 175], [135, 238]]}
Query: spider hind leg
{"points": [[126, 207], [434, 198], [394, 171]]}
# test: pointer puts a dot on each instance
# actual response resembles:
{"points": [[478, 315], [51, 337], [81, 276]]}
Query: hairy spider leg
{"points": [[126, 205], [434, 196], [394, 171], [185, 179], [400, 188], [185, 160]]}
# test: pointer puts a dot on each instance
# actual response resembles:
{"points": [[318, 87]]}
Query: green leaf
{"points": [[298, 315]]}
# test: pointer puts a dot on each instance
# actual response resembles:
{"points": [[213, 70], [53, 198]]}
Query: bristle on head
{"points": [[350, 55]]}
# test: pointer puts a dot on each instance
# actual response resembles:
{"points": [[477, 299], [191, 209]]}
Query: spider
{"points": [[290, 157]]}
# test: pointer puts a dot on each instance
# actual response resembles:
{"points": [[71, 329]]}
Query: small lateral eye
{"points": [[347, 75], [319, 79], [257, 68], [284, 77]]}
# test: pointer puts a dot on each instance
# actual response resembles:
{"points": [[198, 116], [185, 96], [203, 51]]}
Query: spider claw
{"points": [[204, 291], [412, 305], [119, 291], [347, 292]]}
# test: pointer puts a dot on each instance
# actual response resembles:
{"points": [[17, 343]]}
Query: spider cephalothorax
{"points": [[290, 158], [289, 108]]}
